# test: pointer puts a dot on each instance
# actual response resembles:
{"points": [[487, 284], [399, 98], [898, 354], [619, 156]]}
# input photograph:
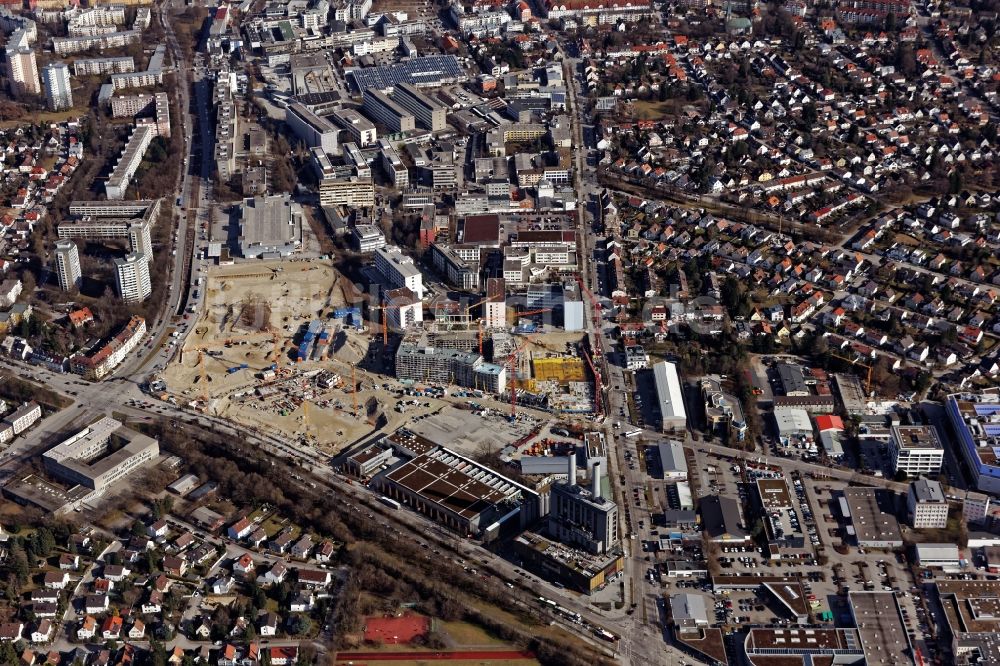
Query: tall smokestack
{"points": [[571, 468], [595, 481]]}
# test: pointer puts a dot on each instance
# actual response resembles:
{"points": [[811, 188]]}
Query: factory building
{"points": [[270, 227], [459, 493], [581, 516], [669, 396]]}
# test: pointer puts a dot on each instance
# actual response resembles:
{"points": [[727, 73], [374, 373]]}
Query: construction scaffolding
{"points": [[561, 369]]}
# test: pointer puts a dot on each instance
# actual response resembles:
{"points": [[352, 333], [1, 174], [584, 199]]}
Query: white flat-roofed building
{"points": [[361, 130], [24, 417], [916, 450], [945, 556], [495, 308], [22, 67], [92, 66], [99, 42], [67, 257], [132, 278], [130, 220], [55, 80], [403, 309], [315, 131], [399, 270], [926, 505], [367, 237], [459, 272], [151, 77], [669, 396], [427, 111], [129, 161], [100, 454], [130, 105], [673, 463], [343, 184], [393, 165]]}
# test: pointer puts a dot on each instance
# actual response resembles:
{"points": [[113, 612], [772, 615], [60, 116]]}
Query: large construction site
{"points": [[283, 347], [256, 354]]}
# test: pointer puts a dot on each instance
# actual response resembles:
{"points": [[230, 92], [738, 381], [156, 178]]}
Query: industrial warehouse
{"points": [[448, 487]]}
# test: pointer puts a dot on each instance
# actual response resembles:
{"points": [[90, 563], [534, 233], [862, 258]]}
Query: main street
{"points": [[641, 627]]}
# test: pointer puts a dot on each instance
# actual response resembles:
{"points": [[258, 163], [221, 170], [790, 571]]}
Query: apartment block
{"points": [[132, 278], [67, 257], [129, 161]]}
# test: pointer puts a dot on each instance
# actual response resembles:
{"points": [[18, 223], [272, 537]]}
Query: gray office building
{"points": [[100, 455], [386, 112], [428, 112]]}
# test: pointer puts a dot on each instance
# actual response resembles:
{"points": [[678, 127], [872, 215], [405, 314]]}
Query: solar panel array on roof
{"points": [[424, 71]]}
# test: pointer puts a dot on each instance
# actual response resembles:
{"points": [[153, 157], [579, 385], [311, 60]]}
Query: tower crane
{"points": [[511, 360], [868, 380], [479, 322], [385, 320], [598, 396]]}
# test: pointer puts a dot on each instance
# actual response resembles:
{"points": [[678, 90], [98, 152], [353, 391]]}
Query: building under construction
{"points": [[435, 365], [561, 369]]}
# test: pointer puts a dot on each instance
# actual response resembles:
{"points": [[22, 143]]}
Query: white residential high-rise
{"points": [[22, 69], [58, 93], [68, 265], [133, 278]]}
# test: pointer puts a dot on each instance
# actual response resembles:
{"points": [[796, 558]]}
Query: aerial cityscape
{"points": [[482, 332]]}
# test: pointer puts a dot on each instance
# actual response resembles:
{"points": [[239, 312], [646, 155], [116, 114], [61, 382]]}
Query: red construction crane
{"points": [[529, 313], [598, 397], [385, 320]]}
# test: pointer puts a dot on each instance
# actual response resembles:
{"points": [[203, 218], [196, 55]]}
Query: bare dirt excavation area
{"points": [[241, 361]]}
